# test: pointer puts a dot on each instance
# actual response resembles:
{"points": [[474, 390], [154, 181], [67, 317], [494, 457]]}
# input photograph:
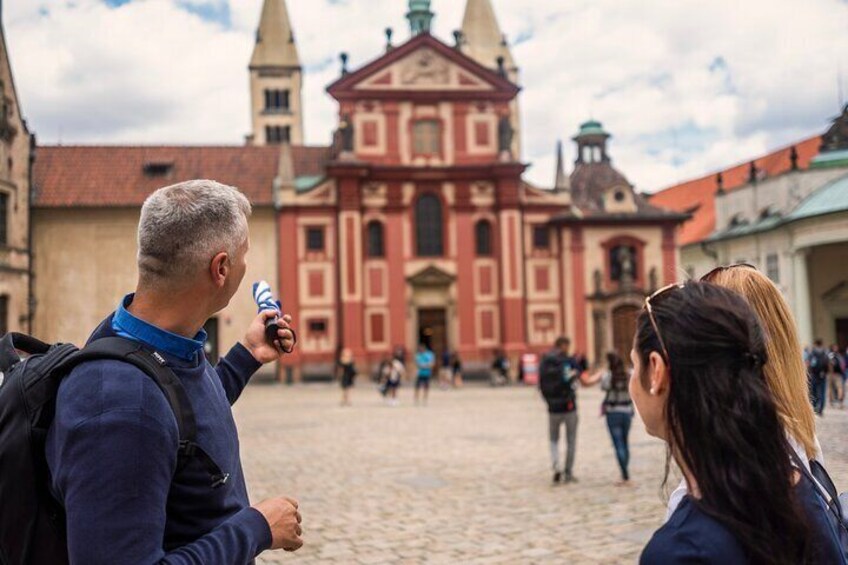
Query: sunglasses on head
{"points": [[706, 278], [653, 320]]}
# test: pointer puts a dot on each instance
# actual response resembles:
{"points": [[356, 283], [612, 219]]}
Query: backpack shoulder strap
{"points": [[149, 362], [155, 367]]}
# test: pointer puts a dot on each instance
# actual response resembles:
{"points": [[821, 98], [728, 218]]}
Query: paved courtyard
{"points": [[464, 480]]}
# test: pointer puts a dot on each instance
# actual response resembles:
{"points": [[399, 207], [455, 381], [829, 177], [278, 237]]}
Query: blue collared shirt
{"points": [[126, 325]]}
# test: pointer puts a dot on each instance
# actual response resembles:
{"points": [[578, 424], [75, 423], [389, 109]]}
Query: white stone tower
{"points": [[484, 42], [276, 80]]}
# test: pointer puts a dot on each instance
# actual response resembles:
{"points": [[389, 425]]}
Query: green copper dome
{"points": [[420, 17], [592, 127]]}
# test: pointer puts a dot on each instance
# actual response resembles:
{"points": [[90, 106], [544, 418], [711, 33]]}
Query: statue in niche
{"points": [[346, 134], [652, 279], [626, 264], [599, 281], [505, 135]]}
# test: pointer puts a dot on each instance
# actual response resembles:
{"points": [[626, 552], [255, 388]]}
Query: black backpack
{"points": [[32, 522], [556, 388], [818, 361], [834, 504]]}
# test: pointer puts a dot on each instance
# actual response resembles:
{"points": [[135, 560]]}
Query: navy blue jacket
{"points": [[112, 454]]}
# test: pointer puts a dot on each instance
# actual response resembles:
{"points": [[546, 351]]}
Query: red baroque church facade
{"points": [[422, 228]]}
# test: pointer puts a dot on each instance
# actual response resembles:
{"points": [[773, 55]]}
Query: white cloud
{"points": [[684, 87]]}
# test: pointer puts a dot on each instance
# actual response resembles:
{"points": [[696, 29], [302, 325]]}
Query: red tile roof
{"points": [[104, 176], [698, 195]]}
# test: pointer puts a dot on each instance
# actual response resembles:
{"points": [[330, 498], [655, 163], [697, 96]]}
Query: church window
{"points": [[619, 196], [278, 134], [541, 237], [376, 247], [427, 137], [481, 134], [773, 267], [483, 235], [277, 100], [317, 326], [4, 218], [369, 133], [623, 262], [428, 226], [315, 239]]}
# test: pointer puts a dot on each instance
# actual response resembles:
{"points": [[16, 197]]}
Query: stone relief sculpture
{"points": [[425, 67]]}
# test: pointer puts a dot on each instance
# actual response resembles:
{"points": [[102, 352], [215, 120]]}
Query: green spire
{"points": [[420, 17]]}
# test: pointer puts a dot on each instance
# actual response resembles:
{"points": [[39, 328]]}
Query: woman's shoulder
{"points": [[692, 536]]}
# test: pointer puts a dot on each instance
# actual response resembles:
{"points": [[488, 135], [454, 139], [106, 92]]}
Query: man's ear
{"points": [[219, 268], [659, 373]]}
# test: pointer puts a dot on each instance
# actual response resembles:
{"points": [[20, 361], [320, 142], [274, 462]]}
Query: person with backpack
{"points": [[835, 377], [559, 374], [698, 385], [818, 369], [131, 487]]}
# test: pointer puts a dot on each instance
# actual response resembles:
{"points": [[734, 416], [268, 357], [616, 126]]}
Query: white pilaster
{"points": [[801, 303]]}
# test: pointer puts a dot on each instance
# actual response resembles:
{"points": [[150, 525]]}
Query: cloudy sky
{"points": [[685, 86]]}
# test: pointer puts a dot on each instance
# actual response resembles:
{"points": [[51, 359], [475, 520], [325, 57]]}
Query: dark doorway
{"points": [[623, 330], [211, 345], [4, 315], [842, 333], [433, 331]]}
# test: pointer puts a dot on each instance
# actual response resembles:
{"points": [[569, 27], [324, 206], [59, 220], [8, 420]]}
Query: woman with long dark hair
{"points": [[698, 384]]}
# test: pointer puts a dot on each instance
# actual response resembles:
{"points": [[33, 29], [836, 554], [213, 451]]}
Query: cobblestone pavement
{"points": [[463, 480]]}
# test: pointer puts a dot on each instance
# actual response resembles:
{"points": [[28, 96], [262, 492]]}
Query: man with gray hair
{"points": [[116, 457]]}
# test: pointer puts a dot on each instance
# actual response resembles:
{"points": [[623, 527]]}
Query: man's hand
{"points": [[255, 342], [284, 520]]}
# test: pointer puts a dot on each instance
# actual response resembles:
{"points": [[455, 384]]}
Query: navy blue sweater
{"points": [[693, 536], [112, 454]]}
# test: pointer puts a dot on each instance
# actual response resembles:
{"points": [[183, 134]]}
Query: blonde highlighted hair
{"points": [[785, 371]]}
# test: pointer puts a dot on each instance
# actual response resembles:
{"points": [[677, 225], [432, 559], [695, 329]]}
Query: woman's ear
{"points": [[659, 373], [219, 268]]}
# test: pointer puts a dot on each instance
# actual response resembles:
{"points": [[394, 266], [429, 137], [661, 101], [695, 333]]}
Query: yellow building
{"points": [[15, 162]]}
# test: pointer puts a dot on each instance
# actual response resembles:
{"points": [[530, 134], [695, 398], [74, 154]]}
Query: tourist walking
{"points": [[618, 409], [836, 377], [394, 372], [818, 369], [425, 360], [445, 369], [131, 488], [558, 379], [500, 369], [346, 373], [456, 367], [698, 385]]}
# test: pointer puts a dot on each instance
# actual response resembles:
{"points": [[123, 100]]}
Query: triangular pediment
{"points": [[431, 276], [423, 65], [424, 69]]}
